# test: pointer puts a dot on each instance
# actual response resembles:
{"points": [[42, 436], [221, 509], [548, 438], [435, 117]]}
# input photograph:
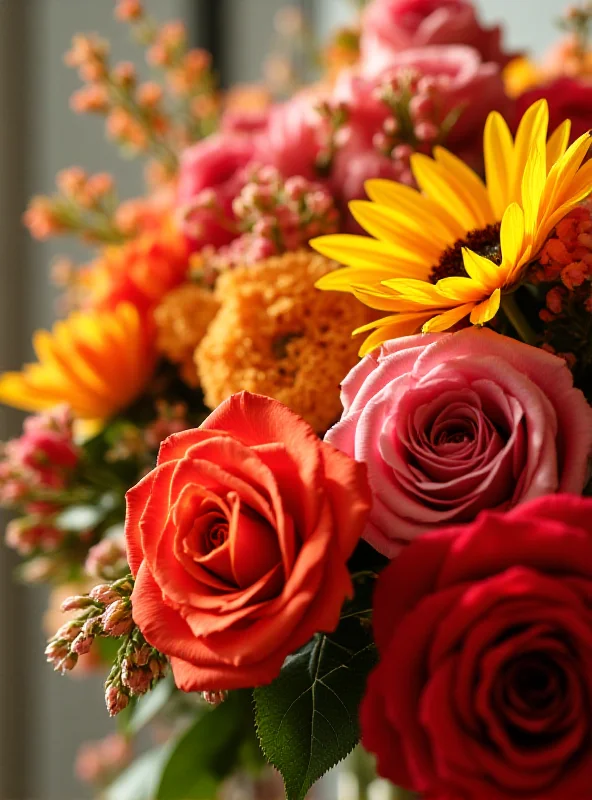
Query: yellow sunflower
{"points": [[454, 247], [97, 362]]}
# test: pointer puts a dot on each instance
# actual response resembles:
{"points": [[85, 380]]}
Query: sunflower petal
{"points": [[468, 185], [415, 204], [533, 187], [461, 290], [512, 236], [445, 320], [363, 252], [402, 325], [486, 310], [436, 181], [499, 161], [402, 232], [532, 133], [557, 144], [482, 270]]}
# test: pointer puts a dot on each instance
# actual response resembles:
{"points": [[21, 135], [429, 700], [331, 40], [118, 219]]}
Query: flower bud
{"points": [[104, 594], [77, 603], [117, 619], [82, 644], [214, 698], [116, 699]]}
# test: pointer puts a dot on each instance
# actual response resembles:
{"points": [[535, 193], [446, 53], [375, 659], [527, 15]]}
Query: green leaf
{"points": [[307, 719], [140, 781], [208, 751]]}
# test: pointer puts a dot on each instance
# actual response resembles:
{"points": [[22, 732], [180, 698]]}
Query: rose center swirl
{"points": [[485, 242]]}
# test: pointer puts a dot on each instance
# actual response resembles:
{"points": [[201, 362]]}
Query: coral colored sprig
{"points": [[134, 116], [107, 612], [84, 205], [187, 71]]}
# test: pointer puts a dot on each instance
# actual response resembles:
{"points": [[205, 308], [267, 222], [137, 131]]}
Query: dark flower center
{"points": [[485, 242]]}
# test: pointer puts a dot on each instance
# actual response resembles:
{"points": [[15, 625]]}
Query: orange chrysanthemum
{"points": [[97, 362], [182, 320], [140, 271], [276, 335]]}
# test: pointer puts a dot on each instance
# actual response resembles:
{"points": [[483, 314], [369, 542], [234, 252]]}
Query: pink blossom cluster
{"points": [[429, 74], [35, 470], [42, 459], [276, 216]]}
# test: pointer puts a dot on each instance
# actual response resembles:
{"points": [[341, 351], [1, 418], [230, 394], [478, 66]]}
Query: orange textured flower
{"points": [[97, 362], [182, 320], [275, 335], [140, 271]]}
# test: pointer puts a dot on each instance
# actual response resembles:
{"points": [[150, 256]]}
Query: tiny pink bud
{"points": [[421, 107], [103, 593], [82, 644], [117, 619], [115, 699], [426, 131], [69, 631], [67, 663], [214, 698], [76, 603]]}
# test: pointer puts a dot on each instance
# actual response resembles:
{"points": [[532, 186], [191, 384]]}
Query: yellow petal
{"points": [[415, 204], [447, 319], [486, 310], [468, 185], [482, 270], [439, 184], [362, 252], [512, 236], [461, 290], [557, 144], [342, 280], [499, 161], [404, 233], [532, 132], [402, 325], [532, 188]]}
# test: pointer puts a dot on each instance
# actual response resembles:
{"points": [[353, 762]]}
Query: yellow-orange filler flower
{"points": [[97, 362], [452, 248]]}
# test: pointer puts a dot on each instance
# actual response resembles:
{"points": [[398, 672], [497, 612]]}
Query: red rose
{"points": [[568, 98], [484, 685], [239, 541]]}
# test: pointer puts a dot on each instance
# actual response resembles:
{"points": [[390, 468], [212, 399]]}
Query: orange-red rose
{"points": [[239, 540]]}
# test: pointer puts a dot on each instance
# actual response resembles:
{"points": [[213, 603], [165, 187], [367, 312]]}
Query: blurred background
{"points": [[44, 717]]}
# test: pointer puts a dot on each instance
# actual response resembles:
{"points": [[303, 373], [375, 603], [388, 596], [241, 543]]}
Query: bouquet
{"points": [[274, 537]]}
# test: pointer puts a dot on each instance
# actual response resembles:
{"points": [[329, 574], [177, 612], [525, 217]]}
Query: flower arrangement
{"points": [[278, 539]]}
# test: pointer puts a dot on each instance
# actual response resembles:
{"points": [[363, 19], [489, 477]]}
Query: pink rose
{"points": [[390, 26], [294, 136], [451, 424], [211, 175]]}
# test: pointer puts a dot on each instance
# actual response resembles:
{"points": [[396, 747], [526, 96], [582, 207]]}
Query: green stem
{"points": [[517, 319]]}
